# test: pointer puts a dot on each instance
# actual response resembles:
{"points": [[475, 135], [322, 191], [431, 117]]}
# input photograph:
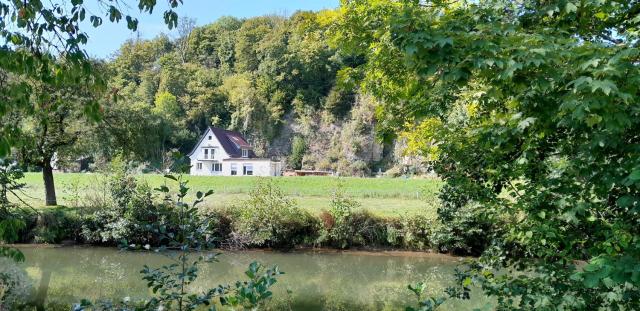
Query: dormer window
{"points": [[245, 153]]}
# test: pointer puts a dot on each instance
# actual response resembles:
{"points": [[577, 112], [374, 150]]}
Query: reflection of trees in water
{"points": [[319, 281], [69, 274]]}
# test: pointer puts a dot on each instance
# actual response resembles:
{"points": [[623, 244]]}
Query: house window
{"points": [[199, 166], [245, 153], [216, 167], [234, 169], [209, 137], [208, 152], [247, 169]]}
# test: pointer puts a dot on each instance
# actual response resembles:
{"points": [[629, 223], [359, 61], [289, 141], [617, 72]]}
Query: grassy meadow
{"points": [[382, 196]]}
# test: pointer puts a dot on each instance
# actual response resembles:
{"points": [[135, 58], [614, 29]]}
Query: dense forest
{"points": [[274, 79]]}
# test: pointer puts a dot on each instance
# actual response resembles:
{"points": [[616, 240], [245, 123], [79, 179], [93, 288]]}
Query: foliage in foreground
{"points": [[529, 111], [41, 44], [11, 223]]}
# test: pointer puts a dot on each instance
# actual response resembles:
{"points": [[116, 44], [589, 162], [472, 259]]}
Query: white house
{"points": [[220, 152]]}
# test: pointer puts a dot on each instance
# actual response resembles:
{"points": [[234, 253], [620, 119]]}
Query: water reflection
{"points": [[317, 281]]}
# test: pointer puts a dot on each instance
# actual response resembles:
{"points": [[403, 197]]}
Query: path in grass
{"points": [[382, 196]]}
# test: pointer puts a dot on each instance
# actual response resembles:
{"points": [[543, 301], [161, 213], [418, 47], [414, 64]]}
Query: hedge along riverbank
{"points": [[129, 211]]}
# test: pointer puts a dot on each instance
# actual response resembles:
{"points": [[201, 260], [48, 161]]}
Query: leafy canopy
{"points": [[42, 41], [532, 111]]}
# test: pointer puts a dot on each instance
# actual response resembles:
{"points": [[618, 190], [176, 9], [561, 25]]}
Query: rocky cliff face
{"points": [[345, 145]]}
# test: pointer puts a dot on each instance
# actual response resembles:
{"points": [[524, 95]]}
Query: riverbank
{"points": [[130, 211], [362, 251], [234, 229]]}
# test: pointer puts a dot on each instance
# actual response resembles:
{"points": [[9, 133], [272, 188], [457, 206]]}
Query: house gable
{"points": [[230, 141], [209, 141]]}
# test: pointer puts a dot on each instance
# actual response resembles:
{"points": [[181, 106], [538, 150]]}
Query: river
{"points": [[313, 280]]}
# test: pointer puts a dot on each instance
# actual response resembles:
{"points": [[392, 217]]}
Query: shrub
{"points": [[348, 225], [462, 230], [269, 218], [342, 232], [171, 283], [104, 226], [15, 285], [410, 231], [298, 149], [53, 226], [127, 212], [221, 221]]}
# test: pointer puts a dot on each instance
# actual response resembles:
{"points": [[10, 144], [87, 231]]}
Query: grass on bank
{"points": [[381, 196]]}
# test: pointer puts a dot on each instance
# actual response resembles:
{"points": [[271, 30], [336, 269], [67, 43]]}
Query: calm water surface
{"points": [[325, 280]]}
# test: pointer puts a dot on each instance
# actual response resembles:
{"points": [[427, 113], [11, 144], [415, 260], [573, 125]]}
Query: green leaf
{"points": [[591, 268], [132, 23], [169, 176], [522, 125], [606, 86], [5, 146], [635, 174]]}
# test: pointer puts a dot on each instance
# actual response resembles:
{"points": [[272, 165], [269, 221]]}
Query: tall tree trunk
{"points": [[49, 185]]}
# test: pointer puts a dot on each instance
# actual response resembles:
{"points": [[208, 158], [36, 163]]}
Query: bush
{"points": [[128, 213], [269, 218], [221, 222], [347, 225], [298, 149], [411, 231], [15, 285], [54, 226], [462, 230]]}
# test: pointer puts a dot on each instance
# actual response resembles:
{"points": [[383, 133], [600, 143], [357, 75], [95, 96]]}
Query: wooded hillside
{"points": [[272, 78]]}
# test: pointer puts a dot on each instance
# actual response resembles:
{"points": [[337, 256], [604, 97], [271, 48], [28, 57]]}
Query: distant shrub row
{"points": [[130, 213]]}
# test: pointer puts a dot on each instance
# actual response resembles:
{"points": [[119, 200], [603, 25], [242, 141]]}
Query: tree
{"points": [[56, 125], [298, 148], [185, 28], [37, 35], [248, 37], [531, 109]]}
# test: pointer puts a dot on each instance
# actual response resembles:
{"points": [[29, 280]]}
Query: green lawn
{"points": [[383, 196]]}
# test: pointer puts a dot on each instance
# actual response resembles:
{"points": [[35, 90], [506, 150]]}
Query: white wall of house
{"points": [[237, 167], [257, 167], [220, 164], [208, 152]]}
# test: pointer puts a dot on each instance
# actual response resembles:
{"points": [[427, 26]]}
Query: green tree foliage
{"points": [[10, 222], [50, 133], [537, 120], [298, 148], [248, 75], [42, 42]]}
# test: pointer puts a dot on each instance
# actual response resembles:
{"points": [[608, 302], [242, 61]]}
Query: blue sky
{"points": [[105, 40]]}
